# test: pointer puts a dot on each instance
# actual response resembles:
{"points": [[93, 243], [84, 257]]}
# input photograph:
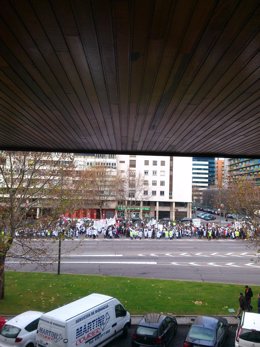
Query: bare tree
{"points": [[31, 182], [242, 197], [100, 186], [135, 190]]}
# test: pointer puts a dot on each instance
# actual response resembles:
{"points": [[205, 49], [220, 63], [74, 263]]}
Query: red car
{"points": [[2, 322]]}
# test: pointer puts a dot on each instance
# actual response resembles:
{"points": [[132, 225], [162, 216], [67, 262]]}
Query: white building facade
{"points": [[158, 186]]}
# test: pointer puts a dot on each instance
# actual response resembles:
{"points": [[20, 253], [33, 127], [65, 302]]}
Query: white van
{"points": [[92, 321], [248, 330]]}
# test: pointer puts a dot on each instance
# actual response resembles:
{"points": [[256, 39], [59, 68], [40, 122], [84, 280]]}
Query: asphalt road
{"points": [[176, 342], [228, 261]]}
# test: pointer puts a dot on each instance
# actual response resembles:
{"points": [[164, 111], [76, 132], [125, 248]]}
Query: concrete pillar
{"points": [[172, 211], [141, 209], [157, 210]]}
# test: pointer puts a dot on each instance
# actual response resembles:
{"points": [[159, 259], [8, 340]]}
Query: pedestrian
{"points": [[242, 305], [258, 303], [248, 297]]}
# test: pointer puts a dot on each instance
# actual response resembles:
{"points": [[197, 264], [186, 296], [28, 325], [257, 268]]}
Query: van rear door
{"points": [[50, 333]]}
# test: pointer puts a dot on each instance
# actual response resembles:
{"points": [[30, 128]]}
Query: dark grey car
{"points": [[156, 330], [207, 331]]}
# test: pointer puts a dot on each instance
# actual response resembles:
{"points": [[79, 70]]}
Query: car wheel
{"points": [[125, 330], [30, 345]]}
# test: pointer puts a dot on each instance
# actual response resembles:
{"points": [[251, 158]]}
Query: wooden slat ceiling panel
{"points": [[130, 76]]}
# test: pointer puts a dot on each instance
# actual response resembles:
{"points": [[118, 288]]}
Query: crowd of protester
{"points": [[112, 228]]}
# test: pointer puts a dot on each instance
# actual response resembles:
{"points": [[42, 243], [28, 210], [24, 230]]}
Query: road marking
{"points": [[92, 255], [173, 263], [214, 264], [194, 264], [252, 265], [154, 255], [113, 262], [185, 254]]}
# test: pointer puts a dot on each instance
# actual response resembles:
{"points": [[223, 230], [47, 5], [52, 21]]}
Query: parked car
{"points": [[248, 330], [20, 330], [2, 321], [207, 331], [156, 330], [186, 220], [208, 217]]}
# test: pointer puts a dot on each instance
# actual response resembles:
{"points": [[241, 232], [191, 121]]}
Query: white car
{"points": [[21, 330], [248, 330]]}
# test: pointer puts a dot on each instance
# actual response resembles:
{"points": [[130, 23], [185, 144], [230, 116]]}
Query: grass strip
{"points": [[44, 291]]}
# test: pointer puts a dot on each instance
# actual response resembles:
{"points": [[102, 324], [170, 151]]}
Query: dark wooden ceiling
{"points": [[137, 76]]}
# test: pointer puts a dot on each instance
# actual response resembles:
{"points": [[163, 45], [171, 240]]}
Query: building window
{"points": [[161, 193], [146, 162], [154, 162], [145, 183], [162, 183], [146, 172], [145, 192], [154, 183], [154, 173], [162, 173], [132, 163], [153, 192], [162, 162]]}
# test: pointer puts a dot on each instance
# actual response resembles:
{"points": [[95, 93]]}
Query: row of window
{"points": [[154, 172], [146, 193], [154, 162], [132, 162], [154, 183]]}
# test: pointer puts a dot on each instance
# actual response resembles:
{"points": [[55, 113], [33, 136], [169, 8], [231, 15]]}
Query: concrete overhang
{"points": [[130, 76]]}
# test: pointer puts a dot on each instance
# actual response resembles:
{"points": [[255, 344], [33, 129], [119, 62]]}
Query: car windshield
{"points": [[201, 333], [250, 335], [10, 331], [148, 331]]}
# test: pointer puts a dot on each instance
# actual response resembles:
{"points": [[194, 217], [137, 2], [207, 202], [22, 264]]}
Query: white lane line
{"points": [[229, 253], [198, 253], [185, 254], [93, 262], [91, 255], [173, 263], [214, 264], [214, 253], [140, 255], [252, 265], [194, 264], [232, 264], [113, 262], [154, 255]]}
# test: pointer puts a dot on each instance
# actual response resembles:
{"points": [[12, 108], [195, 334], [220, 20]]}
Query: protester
{"points": [[248, 297], [242, 305]]}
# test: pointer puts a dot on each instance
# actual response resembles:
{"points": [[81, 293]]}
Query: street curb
{"points": [[187, 320]]}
